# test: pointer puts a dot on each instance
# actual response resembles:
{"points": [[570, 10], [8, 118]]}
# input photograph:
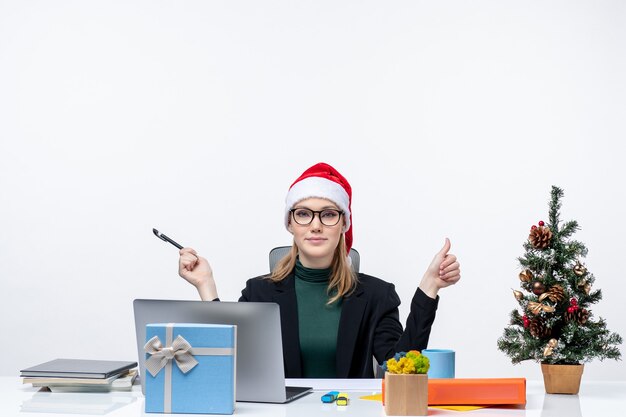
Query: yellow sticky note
{"points": [[379, 397], [459, 407], [374, 397]]}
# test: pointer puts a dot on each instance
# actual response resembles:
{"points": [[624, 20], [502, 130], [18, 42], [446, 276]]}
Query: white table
{"points": [[596, 399]]}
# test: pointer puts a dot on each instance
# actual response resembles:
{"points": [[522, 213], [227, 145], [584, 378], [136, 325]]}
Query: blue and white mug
{"points": [[441, 362]]}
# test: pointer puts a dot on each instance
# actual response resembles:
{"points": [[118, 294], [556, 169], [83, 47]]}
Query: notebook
{"points": [[78, 368], [260, 370]]}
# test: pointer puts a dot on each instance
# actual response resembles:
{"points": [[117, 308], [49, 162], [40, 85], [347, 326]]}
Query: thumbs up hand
{"points": [[443, 271]]}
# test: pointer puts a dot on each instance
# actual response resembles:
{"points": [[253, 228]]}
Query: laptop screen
{"points": [[260, 370]]}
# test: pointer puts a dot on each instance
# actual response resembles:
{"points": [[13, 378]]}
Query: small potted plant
{"points": [[406, 384], [554, 324]]}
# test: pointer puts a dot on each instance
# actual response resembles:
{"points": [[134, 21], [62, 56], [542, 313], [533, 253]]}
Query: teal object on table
{"points": [[330, 397], [190, 368], [442, 362]]}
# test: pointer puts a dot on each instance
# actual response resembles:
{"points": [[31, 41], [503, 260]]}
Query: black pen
{"points": [[165, 238]]}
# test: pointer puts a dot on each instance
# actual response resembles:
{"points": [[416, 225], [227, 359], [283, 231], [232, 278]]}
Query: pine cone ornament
{"points": [[538, 328], [580, 315], [554, 294], [540, 237]]}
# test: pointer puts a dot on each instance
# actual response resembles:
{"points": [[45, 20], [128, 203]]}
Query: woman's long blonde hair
{"points": [[342, 278]]}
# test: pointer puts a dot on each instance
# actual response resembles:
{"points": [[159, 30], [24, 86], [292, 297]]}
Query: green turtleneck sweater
{"points": [[318, 322]]}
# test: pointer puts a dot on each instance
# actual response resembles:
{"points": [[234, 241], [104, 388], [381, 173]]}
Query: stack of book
{"points": [[81, 375]]}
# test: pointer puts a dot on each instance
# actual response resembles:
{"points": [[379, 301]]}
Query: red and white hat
{"points": [[323, 181]]}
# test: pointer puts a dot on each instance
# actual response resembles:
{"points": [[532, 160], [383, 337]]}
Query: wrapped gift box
{"points": [[477, 391], [474, 391], [190, 368]]}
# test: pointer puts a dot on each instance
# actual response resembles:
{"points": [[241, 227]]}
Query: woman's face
{"points": [[316, 242]]}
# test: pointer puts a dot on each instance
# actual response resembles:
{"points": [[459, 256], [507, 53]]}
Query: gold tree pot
{"points": [[562, 379]]}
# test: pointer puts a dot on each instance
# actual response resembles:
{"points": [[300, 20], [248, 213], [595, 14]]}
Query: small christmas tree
{"points": [[555, 325]]}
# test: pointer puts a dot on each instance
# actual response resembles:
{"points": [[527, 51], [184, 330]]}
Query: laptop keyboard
{"points": [[294, 392]]}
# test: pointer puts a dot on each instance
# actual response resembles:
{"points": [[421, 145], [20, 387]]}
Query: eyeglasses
{"points": [[304, 216]]}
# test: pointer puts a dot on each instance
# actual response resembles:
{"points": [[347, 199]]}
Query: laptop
{"points": [[260, 370]]}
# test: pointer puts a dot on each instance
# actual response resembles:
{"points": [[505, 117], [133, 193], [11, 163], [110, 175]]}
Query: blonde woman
{"points": [[333, 320]]}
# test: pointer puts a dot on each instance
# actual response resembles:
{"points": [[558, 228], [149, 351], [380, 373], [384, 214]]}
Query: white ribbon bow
{"points": [[180, 351]]}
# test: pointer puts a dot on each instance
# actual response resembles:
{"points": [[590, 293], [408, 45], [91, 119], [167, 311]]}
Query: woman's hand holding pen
{"points": [[197, 271], [443, 271]]}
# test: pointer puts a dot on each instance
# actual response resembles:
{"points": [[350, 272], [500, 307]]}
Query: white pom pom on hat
{"points": [[323, 181]]}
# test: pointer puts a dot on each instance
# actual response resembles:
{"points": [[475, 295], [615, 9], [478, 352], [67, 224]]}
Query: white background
{"points": [[449, 119]]}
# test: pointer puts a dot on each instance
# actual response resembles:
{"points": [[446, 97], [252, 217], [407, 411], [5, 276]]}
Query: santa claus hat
{"points": [[323, 181]]}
